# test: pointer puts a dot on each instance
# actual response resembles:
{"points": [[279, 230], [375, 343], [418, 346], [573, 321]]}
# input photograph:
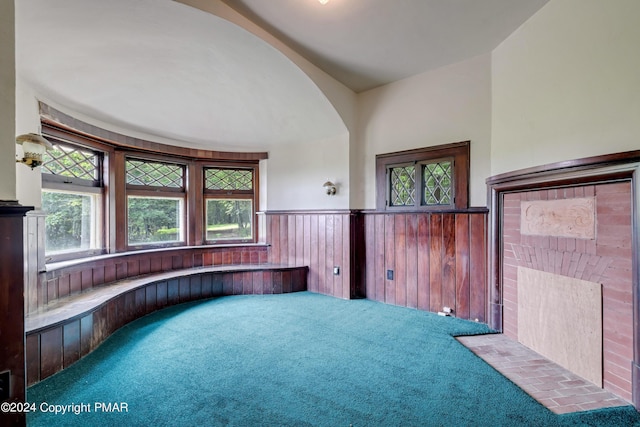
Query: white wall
{"points": [[7, 101], [450, 104], [28, 181], [311, 163], [566, 85], [296, 174]]}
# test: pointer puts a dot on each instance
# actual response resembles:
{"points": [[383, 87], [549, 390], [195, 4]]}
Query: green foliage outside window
{"points": [[68, 224], [229, 219], [154, 220], [438, 185]]}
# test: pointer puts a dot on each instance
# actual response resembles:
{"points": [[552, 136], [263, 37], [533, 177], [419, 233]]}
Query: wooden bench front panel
{"points": [[52, 349], [74, 279]]}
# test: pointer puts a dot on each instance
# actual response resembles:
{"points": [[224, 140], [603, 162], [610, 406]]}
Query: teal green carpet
{"points": [[294, 360]]}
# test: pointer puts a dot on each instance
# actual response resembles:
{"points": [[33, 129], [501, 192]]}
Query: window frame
{"points": [[459, 152], [60, 183], [208, 194], [116, 147], [152, 191]]}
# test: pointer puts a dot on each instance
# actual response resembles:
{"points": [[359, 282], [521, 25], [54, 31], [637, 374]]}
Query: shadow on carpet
{"points": [[293, 360]]}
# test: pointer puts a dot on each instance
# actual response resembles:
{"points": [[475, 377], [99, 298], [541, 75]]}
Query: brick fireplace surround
{"points": [[605, 259], [607, 255]]}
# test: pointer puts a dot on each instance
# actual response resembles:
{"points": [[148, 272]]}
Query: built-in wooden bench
{"points": [[68, 328]]}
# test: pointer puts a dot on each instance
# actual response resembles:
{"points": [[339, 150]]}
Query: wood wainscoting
{"points": [[437, 258], [323, 241]]}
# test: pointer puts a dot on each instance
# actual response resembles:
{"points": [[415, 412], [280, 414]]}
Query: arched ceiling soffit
{"points": [[164, 69]]}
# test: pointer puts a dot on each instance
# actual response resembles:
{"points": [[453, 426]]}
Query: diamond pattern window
{"points": [[228, 179], [156, 195], [430, 178], [154, 174], [72, 162], [437, 183], [72, 198], [403, 186], [229, 204]]}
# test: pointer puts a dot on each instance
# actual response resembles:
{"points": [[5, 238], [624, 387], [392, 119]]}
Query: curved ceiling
{"points": [[165, 69], [368, 43]]}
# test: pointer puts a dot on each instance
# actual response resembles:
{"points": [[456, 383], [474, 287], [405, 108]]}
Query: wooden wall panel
{"points": [[424, 262], [400, 261], [478, 288], [370, 266], [411, 239], [71, 339], [319, 240], [449, 261], [328, 255], [51, 353], [12, 302], [462, 251], [389, 258], [314, 274], [435, 263], [86, 334], [438, 259], [32, 350], [322, 254]]}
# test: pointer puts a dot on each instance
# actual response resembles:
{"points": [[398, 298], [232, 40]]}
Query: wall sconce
{"points": [[330, 188], [33, 147]]}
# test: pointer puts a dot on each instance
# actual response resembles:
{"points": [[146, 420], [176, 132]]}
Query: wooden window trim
{"points": [[72, 184], [230, 194], [459, 151], [115, 189]]}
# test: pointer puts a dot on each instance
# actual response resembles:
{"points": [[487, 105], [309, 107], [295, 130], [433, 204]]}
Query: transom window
{"points": [[72, 162], [427, 178], [228, 179], [154, 174]]}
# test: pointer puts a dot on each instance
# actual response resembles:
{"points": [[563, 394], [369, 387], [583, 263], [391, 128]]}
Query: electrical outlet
{"points": [[336, 271], [389, 274], [5, 385]]}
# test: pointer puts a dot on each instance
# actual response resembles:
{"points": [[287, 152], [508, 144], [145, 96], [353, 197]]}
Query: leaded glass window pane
{"points": [[403, 186], [437, 183], [71, 162], [154, 174], [228, 179]]}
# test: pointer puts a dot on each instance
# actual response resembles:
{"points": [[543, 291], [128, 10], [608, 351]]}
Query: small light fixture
{"points": [[33, 148], [330, 188], [323, 1]]}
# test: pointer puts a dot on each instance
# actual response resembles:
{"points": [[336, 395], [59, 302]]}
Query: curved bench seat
{"points": [[67, 329]]}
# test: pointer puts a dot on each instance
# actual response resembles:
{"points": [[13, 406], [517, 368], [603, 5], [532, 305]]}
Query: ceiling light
{"points": [[323, 1]]}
